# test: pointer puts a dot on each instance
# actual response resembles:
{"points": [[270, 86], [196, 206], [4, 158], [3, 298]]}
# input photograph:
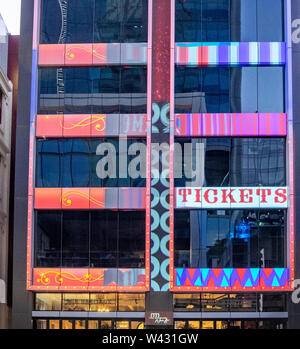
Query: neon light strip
{"points": [[172, 133], [229, 124], [232, 279], [92, 54], [89, 279], [149, 128], [91, 125], [33, 104], [232, 53], [290, 142]]}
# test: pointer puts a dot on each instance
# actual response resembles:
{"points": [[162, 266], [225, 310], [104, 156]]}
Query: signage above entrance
{"points": [[231, 197]]}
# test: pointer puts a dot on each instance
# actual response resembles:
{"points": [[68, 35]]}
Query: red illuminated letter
{"points": [[264, 193], [207, 198], [247, 196], [184, 193], [280, 193], [225, 196]]}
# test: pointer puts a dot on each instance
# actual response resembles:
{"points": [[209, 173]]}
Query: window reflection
{"points": [[96, 239], [229, 20], [54, 325], [122, 325], [103, 302], [236, 161], [90, 21], [243, 302], [229, 89], [48, 239], [73, 163], [93, 324], [187, 302], [48, 301], [86, 90], [229, 238], [75, 239], [79, 324], [67, 324], [131, 302], [75, 302], [214, 302]]}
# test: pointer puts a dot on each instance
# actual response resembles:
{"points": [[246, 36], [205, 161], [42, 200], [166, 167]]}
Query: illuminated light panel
{"points": [[232, 53], [230, 124], [233, 197]]}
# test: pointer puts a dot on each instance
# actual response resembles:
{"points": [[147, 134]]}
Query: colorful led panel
{"points": [[232, 53]]}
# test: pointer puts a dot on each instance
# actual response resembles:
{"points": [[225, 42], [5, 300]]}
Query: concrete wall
{"points": [[21, 298], [5, 161]]}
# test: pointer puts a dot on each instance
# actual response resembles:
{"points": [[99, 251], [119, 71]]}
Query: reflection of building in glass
{"points": [[120, 249]]}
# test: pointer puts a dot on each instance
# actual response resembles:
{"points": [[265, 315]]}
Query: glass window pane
{"points": [[80, 21], [93, 324], [273, 302], [106, 325], [236, 161], [207, 325], [243, 16], [48, 301], [243, 302], [51, 91], [215, 23], [48, 239], [107, 21], [249, 325], [78, 84], [41, 324], [122, 325], [103, 302], [271, 90], [271, 238], [75, 239], [131, 239], [52, 18], [214, 302], [48, 171], [221, 325], [137, 325], [54, 325], [133, 89], [269, 20], [187, 302], [243, 90], [67, 324], [135, 20], [75, 302], [80, 325], [75, 163], [104, 235], [224, 90], [131, 302], [228, 20]]}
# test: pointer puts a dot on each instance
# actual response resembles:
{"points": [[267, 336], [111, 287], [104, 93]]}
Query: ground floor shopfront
{"points": [[139, 324], [182, 310]]}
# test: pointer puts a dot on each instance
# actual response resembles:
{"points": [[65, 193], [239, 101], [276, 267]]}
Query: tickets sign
{"points": [[231, 197]]}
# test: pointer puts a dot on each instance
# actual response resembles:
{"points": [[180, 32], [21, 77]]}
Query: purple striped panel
{"points": [[244, 53], [268, 54], [264, 52], [231, 124]]}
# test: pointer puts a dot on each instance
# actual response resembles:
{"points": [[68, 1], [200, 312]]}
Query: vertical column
{"points": [[160, 144], [292, 19]]}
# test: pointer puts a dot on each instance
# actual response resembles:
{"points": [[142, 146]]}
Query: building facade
{"points": [[157, 173], [6, 98]]}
